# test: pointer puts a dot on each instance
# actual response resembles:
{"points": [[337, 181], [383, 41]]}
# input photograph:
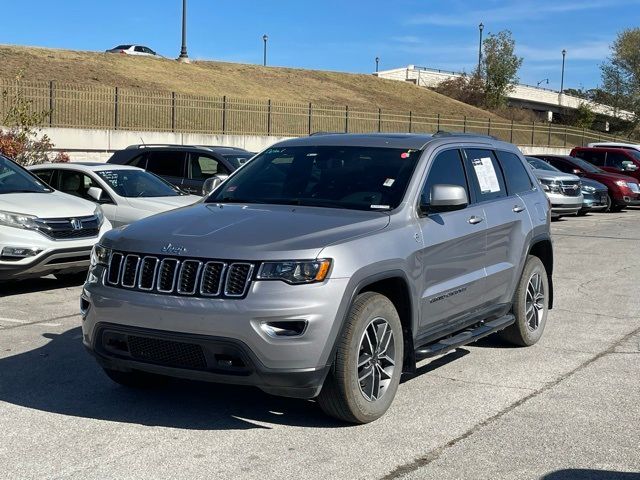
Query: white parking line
{"points": [[12, 320]]}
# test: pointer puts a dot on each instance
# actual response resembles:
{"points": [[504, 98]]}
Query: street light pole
{"points": [[377, 62], [264, 53], [564, 54], [481, 28], [184, 58]]}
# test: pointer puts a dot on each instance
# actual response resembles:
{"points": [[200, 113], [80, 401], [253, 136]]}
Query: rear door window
{"points": [[485, 175], [167, 163], [515, 173]]}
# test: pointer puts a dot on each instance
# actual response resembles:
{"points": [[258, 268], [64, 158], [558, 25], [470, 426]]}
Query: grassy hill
{"points": [[231, 79]]}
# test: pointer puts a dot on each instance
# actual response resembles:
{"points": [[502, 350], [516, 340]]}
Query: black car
{"points": [[185, 166]]}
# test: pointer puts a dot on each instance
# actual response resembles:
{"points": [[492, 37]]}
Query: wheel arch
{"points": [[542, 248]]}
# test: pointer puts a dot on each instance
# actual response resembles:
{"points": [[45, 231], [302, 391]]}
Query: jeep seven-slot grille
{"points": [[188, 277]]}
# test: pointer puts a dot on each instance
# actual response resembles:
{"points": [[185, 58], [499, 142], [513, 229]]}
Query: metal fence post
{"points": [[438, 123], [582, 142], [511, 136], [565, 136], [309, 118], [346, 119], [549, 136], [269, 117], [533, 132], [410, 120], [115, 114], [173, 111], [51, 104], [464, 125], [489, 127], [224, 114]]}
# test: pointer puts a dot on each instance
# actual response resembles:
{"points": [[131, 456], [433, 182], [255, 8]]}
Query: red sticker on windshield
{"points": [[405, 155]]}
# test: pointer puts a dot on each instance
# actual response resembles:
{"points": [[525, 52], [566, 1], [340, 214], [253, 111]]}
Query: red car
{"points": [[615, 160], [624, 191]]}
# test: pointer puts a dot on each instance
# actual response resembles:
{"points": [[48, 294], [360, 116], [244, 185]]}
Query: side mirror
{"points": [[628, 166], [576, 171], [95, 193], [211, 183], [444, 198]]}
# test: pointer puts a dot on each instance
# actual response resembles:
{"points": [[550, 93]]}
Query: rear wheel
{"points": [[366, 372], [135, 378], [530, 306]]}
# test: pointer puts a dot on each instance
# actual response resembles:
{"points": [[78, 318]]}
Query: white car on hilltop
{"points": [[42, 231], [129, 49], [125, 193]]}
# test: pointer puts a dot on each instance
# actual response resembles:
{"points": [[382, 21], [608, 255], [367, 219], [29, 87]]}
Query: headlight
{"points": [[295, 271], [18, 220], [100, 255], [622, 183], [550, 186], [588, 189], [99, 214]]}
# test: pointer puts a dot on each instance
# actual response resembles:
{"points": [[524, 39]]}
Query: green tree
{"points": [[583, 117], [621, 74], [499, 67]]}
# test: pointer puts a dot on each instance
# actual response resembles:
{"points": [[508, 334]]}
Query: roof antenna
{"points": [[142, 140]]}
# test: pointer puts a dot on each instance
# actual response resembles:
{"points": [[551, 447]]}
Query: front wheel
{"points": [[530, 305], [368, 364]]}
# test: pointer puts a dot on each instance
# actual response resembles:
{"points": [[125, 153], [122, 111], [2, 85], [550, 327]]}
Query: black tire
{"points": [[616, 208], [523, 332], [342, 395], [582, 213], [610, 204], [135, 378], [75, 277]]}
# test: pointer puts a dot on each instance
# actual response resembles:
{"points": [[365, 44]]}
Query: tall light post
{"points": [[264, 52], [564, 54], [184, 58], [377, 62], [481, 28]]}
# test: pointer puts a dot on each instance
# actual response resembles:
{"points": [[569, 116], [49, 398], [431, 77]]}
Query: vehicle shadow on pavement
{"points": [[60, 377], [18, 287], [588, 474]]}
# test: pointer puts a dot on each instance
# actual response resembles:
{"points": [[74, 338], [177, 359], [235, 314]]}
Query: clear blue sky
{"points": [[344, 35]]}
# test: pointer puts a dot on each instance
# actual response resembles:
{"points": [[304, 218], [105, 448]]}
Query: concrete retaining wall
{"points": [[99, 145]]}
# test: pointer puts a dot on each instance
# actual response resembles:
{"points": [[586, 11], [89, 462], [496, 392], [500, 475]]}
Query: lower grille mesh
{"points": [[166, 352]]}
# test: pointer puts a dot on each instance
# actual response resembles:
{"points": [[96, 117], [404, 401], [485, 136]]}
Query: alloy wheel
{"points": [[376, 359], [534, 302]]}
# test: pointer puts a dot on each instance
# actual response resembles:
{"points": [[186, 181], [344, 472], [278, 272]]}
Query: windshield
{"points": [[238, 159], [541, 164], [586, 166], [138, 183], [634, 153], [360, 178], [15, 179]]}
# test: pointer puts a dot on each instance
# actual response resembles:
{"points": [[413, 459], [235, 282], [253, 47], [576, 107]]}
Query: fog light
{"points": [[290, 328], [13, 253]]}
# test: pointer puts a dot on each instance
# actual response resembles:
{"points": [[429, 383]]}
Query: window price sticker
{"points": [[486, 175]]}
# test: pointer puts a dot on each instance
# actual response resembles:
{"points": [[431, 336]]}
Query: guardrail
{"points": [[88, 106]]}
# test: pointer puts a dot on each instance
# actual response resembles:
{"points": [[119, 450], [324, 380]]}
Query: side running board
{"points": [[464, 337]]}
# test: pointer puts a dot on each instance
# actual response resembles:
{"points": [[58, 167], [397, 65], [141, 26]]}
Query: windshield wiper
{"points": [[29, 191]]}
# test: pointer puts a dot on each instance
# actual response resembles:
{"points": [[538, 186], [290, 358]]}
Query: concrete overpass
{"points": [[526, 96]]}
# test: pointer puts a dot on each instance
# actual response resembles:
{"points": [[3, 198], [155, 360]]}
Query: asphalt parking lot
{"points": [[566, 408]]}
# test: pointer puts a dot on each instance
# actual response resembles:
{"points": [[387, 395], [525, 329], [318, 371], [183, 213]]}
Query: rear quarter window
{"points": [[515, 173]]}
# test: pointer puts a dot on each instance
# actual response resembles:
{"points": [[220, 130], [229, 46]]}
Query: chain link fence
{"points": [[88, 106]]}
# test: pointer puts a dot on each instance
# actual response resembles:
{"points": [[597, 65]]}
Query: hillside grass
{"points": [[210, 78]]}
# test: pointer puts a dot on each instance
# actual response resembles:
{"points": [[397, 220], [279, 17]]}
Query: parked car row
{"points": [[595, 178], [51, 215]]}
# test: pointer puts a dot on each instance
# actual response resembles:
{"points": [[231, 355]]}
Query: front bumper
{"points": [[290, 366], [563, 204], [594, 202]]}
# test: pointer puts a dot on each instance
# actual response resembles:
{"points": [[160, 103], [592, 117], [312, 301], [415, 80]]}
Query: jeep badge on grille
{"points": [[173, 249]]}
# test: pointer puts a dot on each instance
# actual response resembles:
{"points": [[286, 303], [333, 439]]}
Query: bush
{"points": [[467, 89]]}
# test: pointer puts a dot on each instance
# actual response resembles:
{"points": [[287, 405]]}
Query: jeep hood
{"points": [[245, 232], [47, 205]]}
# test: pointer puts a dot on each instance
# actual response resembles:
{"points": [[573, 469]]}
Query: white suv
{"points": [[42, 231]]}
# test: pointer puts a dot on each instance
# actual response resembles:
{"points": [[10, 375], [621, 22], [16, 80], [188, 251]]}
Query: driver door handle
{"points": [[474, 220], [518, 209]]}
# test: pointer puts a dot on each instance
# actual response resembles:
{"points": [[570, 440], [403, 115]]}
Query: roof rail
{"points": [[147, 145], [443, 133]]}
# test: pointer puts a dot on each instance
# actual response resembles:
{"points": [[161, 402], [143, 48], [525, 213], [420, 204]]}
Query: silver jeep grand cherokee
{"points": [[326, 267]]}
